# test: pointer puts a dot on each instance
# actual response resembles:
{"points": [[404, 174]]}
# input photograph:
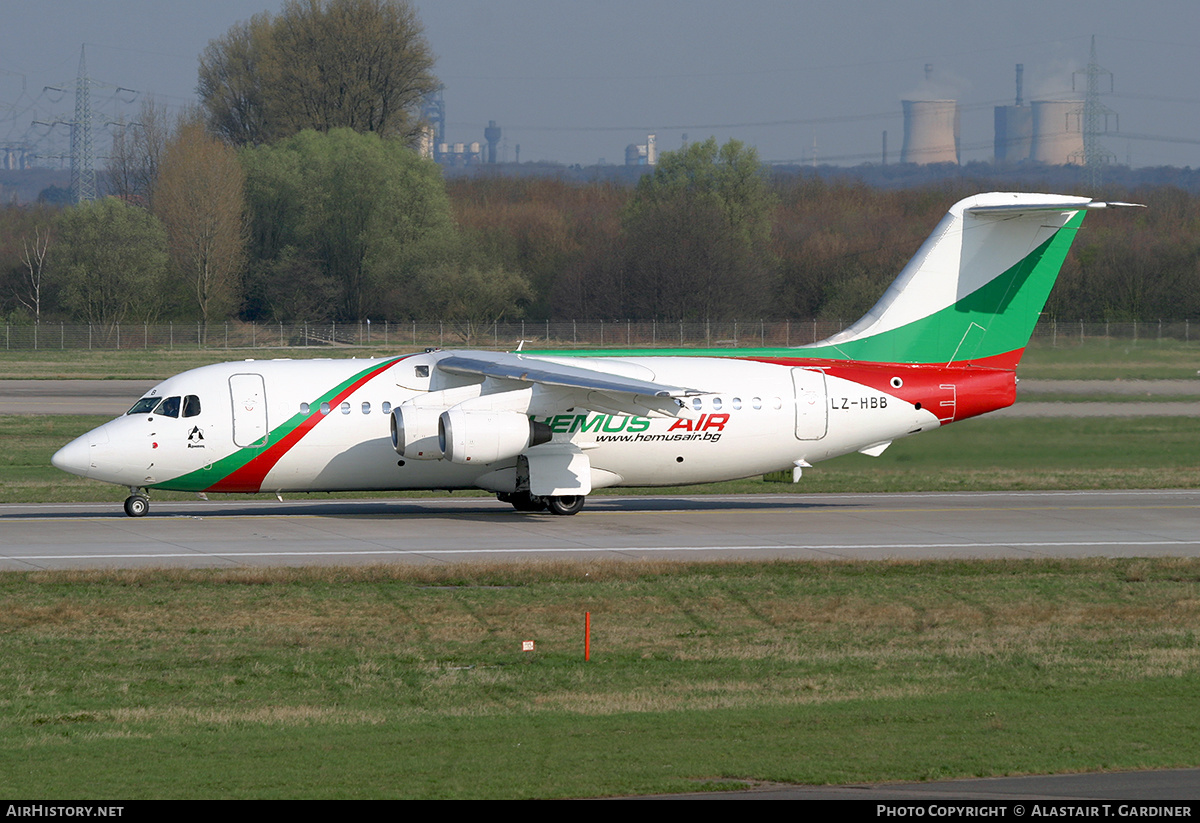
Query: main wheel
{"points": [[524, 501], [565, 504], [136, 505]]}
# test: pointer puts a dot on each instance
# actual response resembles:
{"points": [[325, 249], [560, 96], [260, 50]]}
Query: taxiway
{"points": [[297, 532]]}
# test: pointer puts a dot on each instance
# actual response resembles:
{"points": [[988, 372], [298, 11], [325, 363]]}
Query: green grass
{"points": [[974, 455], [1101, 359], [409, 681]]}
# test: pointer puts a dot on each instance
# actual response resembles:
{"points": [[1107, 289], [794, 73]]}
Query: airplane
{"points": [[543, 429]]}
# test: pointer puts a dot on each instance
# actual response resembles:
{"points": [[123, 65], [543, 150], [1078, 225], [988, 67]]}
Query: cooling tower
{"points": [[1014, 134], [1056, 132], [930, 132]]}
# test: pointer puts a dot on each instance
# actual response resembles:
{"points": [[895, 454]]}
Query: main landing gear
{"points": [[137, 504], [562, 505]]}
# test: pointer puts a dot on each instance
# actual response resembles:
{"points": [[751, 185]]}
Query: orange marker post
{"points": [[587, 636]]}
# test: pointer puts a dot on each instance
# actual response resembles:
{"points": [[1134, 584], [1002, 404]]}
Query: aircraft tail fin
{"points": [[973, 292]]}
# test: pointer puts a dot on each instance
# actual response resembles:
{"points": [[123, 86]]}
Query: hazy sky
{"points": [[575, 82]]}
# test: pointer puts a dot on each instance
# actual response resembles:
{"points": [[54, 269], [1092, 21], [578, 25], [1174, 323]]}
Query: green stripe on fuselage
{"points": [[205, 478]]}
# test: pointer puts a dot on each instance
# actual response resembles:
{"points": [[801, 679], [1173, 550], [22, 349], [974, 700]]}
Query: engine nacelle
{"points": [[415, 432], [487, 436]]}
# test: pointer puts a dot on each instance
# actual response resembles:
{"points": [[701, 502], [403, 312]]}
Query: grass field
{"points": [[410, 682], [1100, 359]]}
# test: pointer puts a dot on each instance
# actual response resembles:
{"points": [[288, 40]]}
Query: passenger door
{"points": [[248, 394]]}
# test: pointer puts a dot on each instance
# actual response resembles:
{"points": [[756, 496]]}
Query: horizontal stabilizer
{"points": [[1013, 209]]}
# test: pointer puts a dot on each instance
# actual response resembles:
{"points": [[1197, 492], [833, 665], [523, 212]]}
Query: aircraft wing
{"points": [[599, 390]]}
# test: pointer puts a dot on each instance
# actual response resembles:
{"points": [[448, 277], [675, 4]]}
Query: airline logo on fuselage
{"points": [[195, 438], [621, 428]]}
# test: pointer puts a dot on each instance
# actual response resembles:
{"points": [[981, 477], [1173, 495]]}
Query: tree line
{"points": [[340, 226], [830, 250], [293, 193]]}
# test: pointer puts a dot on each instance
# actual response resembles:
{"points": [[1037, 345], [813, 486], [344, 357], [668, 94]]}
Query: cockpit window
{"points": [[144, 406], [169, 407], [191, 406]]}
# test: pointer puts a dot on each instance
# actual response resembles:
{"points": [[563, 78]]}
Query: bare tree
{"points": [[199, 197], [233, 84], [33, 256], [321, 64], [137, 152]]}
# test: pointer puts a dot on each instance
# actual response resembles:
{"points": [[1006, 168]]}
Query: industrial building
{"points": [[931, 132], [1043, 131]]}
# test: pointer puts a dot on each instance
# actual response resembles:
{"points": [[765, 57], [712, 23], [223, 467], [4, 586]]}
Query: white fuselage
{"points": [[324, 425]]}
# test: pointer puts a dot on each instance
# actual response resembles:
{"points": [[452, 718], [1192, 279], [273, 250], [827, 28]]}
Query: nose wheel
{"points": [[137, 504]]}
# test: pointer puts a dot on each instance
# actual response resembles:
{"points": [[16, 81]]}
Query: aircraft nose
{"points": [[76, 456]]}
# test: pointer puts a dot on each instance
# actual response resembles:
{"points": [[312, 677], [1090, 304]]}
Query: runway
{"points": [[218, 534]]}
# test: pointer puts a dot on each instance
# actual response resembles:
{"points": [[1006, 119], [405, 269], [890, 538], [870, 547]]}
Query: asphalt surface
{"points": [[221, 533], [110, 397]]}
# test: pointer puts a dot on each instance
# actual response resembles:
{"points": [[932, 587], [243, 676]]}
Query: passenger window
{"points": [[756, 402], [191, 406], [387, 407], [716, 403], [304, 408], [366, 407], [144, 406], [697, 403], [345, 407], [169, 407], [737, 402], [324, 408]]}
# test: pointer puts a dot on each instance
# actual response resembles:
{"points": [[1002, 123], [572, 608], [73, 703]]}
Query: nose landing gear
{"points": [[137, 504]]}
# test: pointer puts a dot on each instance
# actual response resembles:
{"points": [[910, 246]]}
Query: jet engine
{"points": [[415, 432], [467, 436]]}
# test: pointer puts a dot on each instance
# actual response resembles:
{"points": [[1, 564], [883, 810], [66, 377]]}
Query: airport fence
{"points": [[560, 334]]}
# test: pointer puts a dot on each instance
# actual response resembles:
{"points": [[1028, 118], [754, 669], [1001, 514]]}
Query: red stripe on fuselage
{"points": [[953, 392], [249, 477]]}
